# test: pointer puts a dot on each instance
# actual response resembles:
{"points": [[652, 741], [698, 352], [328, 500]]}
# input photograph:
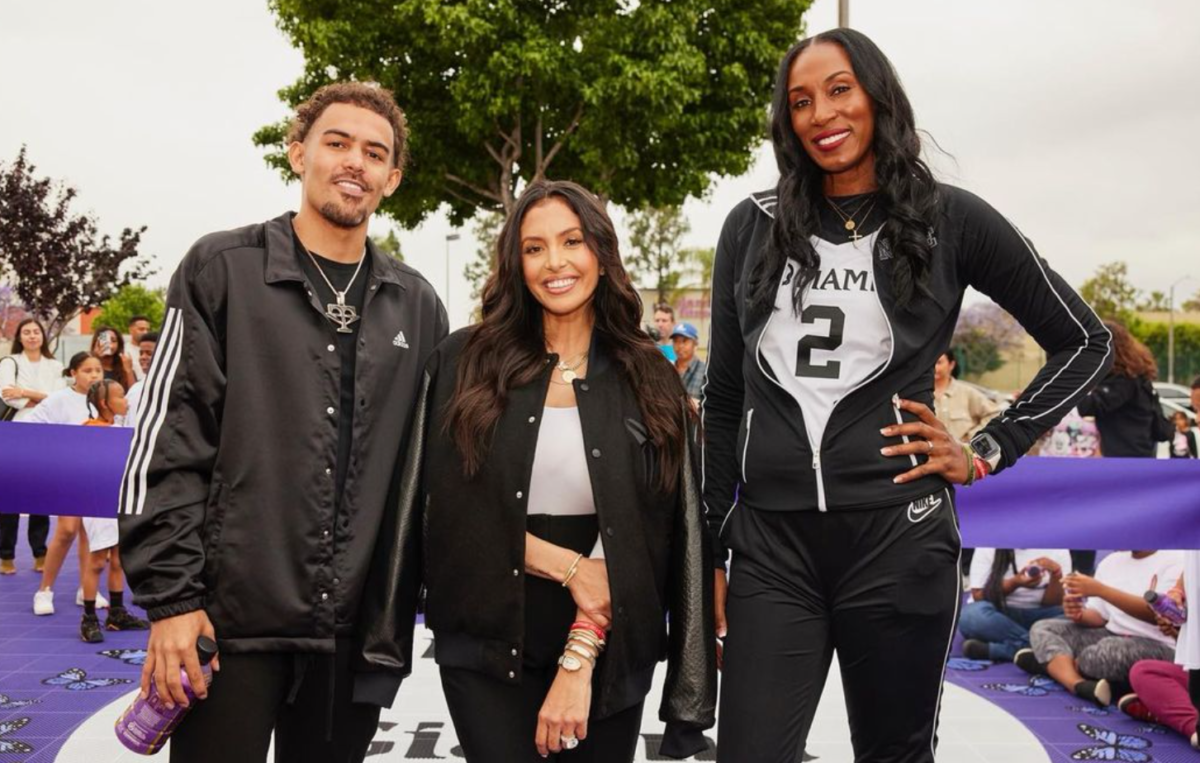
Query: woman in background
{"points": [[27, 377]]}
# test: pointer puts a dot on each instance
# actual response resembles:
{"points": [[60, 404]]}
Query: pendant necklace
{"points": [[567, 371], [339, 312], [848, 221]]}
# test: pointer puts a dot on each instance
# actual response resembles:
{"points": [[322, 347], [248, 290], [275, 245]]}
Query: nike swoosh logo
{"points": [[917, 514]]}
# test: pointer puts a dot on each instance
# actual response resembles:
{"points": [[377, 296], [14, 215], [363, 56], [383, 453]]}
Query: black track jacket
{"points": [[765, 460], [228, 498]]}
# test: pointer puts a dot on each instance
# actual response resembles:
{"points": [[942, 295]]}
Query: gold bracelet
{"points": [[574, 568], [586, 642], [969, 452], [582, 652], [588, 637]]}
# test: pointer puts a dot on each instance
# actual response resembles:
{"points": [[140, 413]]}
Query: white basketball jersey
{"points": [[841, 338]]}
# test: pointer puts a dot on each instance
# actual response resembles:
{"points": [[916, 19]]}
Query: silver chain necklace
{"points": [[340, 313]]}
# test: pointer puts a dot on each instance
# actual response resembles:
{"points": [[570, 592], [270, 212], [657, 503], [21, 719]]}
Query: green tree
{"points": [[1154, 334], [389, 245], [1155, 303], [657, 259], [985, 331], [1192, 305], [129, 301], [486, 230], [643, 103], [1110, 293]]}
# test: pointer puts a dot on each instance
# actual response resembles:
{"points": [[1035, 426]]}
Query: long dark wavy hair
{"points": [[907, 189], [507, 348], [1130, 357], [18, 347], [1003, 564]]}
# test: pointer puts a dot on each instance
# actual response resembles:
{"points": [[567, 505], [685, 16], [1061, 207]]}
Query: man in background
{"points": [[664, 321], [685, 338]]}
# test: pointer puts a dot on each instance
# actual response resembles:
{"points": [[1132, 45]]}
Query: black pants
{"points": [[880, 587], [38, 531], [303, 698], [496, 721]]}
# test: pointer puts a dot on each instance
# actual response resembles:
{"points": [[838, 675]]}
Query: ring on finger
{"points": [[569, 742], [930, 444]]}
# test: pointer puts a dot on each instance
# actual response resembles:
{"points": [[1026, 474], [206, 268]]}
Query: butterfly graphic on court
{"points": [[127, 656], [969, 666], [75, 679], [1113, 746], [12, 746], [1037, 686], [8, 703], [1089, 710]]}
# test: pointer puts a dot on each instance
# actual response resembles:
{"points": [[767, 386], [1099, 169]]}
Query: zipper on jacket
{"points": [[816, 449], [746, 444], [900, 420]]}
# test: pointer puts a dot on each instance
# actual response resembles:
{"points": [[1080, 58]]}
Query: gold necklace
{"points": [[848, 221], [567, 371]]}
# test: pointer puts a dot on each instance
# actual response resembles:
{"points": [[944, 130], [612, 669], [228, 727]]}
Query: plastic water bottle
{"points": [[1166, 608], [147, 724]]}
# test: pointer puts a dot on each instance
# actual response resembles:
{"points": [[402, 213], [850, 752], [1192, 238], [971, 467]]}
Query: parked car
{"points": [[1175, 393]]}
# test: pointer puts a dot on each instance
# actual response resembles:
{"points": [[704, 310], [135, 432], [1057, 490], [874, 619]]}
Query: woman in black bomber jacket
{"points": [[554, 493], [825, 470]]}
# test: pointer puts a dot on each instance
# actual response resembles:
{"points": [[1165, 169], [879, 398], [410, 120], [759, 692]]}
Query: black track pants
{"points": [[304, 699], [880, 587]]}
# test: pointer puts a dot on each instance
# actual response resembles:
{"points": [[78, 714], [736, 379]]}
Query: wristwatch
{"points": [[986, 447], [570, 663]]}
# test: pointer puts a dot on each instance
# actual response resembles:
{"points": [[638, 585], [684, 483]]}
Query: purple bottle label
{"points": [[1167, 608], [147, 724]]}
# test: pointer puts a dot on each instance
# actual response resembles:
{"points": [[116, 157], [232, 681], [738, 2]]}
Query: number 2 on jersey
{"points": [[837, 324]]}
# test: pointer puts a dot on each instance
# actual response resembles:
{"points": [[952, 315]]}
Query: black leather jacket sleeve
{"points": [[389, 606], [690, 693]]}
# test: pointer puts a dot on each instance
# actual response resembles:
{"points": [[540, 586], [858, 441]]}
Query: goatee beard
{"points": [[335, 215]]}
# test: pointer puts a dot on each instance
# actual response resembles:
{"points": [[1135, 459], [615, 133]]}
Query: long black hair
{"points": [[907, 189], [1003, 563], [507, 348]]}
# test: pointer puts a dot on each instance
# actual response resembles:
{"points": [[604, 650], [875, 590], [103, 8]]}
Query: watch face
{"points": [[571, 663], [986, 447]]}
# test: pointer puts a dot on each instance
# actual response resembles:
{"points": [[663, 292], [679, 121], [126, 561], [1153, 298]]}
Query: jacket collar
{"points": [[282, 264]]}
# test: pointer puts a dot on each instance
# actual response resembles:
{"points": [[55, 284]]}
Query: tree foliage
{"points": [[389, 245], [643, 103], [486, 230], [657, 259], [983, 334], [129, 301], [1192, 305], [1110, 293], [1154, 334], [57, 260]]}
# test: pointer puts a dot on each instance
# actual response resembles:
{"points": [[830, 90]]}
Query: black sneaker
{"points": [[1095, 691], [1026, 660], [121, 619], [973, 649], [89, 629]]}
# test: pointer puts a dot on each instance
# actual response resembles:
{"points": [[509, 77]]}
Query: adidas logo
{"points": [[400, 341]]}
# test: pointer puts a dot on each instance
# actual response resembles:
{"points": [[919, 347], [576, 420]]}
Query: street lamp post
{"points": [[1171, 331], [449, 237], [844, 13]]}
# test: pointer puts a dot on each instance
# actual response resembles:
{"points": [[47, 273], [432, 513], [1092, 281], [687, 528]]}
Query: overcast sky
{"points": [[1078, 119]]}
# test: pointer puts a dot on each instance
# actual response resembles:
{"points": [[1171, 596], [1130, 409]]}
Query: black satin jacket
{"points": [[463, 541]]}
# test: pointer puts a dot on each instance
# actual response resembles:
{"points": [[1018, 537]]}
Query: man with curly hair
{"points": [[274, 413]]}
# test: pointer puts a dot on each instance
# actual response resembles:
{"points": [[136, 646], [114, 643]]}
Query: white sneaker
{"points": [[101, 602], [43, 603]]}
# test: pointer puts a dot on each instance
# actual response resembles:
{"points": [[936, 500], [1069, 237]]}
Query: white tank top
{"points": [[840, 339], [560, 485]]}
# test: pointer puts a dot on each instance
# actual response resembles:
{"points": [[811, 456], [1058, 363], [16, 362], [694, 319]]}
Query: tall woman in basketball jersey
{"points": [[825, 470]]}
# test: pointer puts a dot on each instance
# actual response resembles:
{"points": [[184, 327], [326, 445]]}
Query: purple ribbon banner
{"points": [[1107, 503]]}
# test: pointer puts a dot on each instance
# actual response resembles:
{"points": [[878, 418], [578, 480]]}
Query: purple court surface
{"points": [[52, 684]]}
